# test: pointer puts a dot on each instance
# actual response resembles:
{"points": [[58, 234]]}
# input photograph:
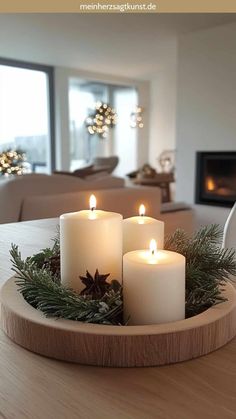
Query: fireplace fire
{"points": [[216, 178], [210, 184]]}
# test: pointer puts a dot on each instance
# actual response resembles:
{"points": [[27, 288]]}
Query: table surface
{"points": [[33, 387]]}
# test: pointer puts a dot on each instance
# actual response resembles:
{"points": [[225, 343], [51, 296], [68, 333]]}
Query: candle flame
{"points": [[153, 246], [92, 202], [142, 210]]}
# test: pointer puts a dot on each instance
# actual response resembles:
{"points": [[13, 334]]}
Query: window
{"points": [[26, 112], [121, 140]]}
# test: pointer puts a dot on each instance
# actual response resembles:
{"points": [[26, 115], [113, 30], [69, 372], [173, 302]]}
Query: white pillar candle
{"points": [[139, 230], [154, 286], [90, 240]]}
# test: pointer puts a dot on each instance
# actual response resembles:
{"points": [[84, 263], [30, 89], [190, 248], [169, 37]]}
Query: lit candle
{"points": [[154, 286], [90, 240], [138, 231]]}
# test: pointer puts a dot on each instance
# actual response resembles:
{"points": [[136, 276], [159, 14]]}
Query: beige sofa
{"points": [[125, 201], [14, 190], [31, 197]]}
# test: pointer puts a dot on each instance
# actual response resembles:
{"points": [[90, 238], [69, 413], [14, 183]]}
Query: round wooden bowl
{"points": [[117, 346]]}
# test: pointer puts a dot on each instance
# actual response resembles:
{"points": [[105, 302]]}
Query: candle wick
{"points": [[142, 215], [153, 252], [93, 208]]}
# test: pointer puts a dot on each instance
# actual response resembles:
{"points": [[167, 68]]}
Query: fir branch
{"points": [[39, 290], [208, 267], [46, 253], [56, 242]]}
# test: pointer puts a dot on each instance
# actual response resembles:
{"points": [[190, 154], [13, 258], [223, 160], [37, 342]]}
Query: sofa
{"points": [[126, 201], [37, 196], [100, 165], [15, 189]]}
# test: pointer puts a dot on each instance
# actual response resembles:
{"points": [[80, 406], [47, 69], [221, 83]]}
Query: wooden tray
{"points": [[117, 346]]}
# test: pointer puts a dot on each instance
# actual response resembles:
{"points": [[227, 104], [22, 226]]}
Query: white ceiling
{"points": [[121, 44]]}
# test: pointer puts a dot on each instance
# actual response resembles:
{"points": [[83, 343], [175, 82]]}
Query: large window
{"points": [[121, 140], [26, 112]]}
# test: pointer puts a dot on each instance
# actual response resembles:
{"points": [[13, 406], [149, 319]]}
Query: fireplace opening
{"points": [[216, 178]]}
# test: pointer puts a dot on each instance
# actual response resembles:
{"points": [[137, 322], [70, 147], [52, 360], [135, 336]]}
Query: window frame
{"points": [[49, 70]]}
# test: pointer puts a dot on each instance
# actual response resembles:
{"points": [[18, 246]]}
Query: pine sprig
{"points": [[40, 258], [208, 266], [39, 290]]}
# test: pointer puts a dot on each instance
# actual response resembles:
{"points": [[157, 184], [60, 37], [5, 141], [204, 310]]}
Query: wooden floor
{"points": [[33, 387]]}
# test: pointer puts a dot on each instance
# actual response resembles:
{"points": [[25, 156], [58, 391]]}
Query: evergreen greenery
{"points": [[39, 289], [208, 268]]}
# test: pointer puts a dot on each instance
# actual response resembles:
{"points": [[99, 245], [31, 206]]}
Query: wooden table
{"points": [[162, 180], [34, 387]]}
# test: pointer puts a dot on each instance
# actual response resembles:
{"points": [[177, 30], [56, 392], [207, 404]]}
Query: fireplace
{"points": [[216, 178]]}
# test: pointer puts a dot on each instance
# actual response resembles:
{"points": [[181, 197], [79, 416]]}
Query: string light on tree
{"points": [[101, 120], [136, 119], [12, 162]]}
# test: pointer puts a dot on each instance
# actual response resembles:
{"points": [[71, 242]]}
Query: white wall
{"points": [[163, 105], [206, 107]]}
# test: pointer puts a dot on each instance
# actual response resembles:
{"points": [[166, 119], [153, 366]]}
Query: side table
{"points": [[162, 180]]}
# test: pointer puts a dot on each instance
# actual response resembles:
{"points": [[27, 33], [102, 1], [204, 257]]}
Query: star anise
{"points": [[95, 286]]}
